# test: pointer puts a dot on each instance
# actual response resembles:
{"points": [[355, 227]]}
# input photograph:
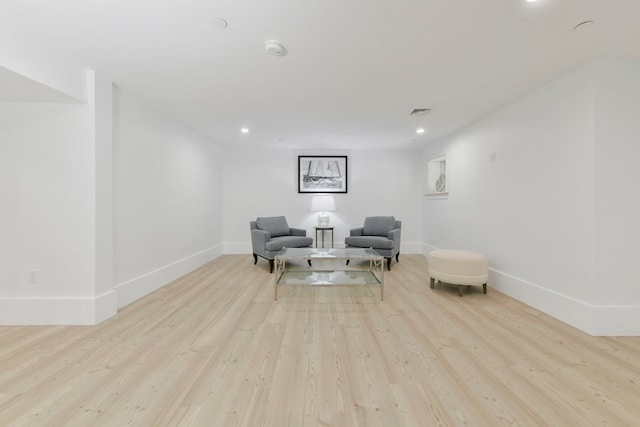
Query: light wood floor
{"points": [[214, 349]]}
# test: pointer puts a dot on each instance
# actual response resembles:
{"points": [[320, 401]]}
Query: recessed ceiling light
{"points": [[244, 130], [220, 22], [420, 131], [531, 1]]}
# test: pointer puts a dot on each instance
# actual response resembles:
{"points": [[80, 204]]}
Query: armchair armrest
{"points": [[356, 231], [395, 236], [297, 231], [259, 239]]}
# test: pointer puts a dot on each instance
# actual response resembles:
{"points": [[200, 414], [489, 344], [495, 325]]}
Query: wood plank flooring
{"points": [[214, 349]]}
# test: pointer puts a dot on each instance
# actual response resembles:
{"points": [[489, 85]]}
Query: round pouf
{"points": [[458, 267]]}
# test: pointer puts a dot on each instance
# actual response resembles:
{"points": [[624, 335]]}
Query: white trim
{"points": [[57, 310], [136, 288], [597, 320], [93, 310], [238, 248], [427, 248], [106, 306], [409, 248]]}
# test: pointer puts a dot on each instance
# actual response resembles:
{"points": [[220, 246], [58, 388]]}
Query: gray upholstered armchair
{"points": [[381, 233], [270, 234]]}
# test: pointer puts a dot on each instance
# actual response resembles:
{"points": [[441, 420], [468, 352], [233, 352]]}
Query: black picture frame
{"points": [[322, 174]]}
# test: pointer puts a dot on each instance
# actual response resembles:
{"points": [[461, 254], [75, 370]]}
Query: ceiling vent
{"points": [[583, 25], [420, 111]]}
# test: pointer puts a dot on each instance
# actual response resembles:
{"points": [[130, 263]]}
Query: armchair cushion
{"points": [[277, 243], [275, 225], [375, 242], [378, 225]]}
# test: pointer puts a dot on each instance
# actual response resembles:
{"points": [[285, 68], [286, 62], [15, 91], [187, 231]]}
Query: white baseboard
{"points": [[410, 248], [427, 248], [597, 320], [57, 310], [106, 306], [93, 310], [140, 286], [593, 319], [238, 248]]}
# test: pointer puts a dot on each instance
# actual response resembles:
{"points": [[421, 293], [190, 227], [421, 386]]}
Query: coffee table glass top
{"points": [[329, 267], [329, 253]]}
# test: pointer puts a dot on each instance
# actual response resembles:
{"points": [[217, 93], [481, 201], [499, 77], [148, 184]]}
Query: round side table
{"points": [[323, 229]]}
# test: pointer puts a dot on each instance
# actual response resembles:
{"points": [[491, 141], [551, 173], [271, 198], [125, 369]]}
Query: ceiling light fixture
{"points": [[420, 131], [244, 130], [274, 48], [221, 23]]}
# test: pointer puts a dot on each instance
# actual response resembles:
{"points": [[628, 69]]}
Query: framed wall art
{"points": [[322, 174]]}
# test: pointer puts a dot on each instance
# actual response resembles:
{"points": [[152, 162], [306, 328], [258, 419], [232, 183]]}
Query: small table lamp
{"points": [[323, 204]]}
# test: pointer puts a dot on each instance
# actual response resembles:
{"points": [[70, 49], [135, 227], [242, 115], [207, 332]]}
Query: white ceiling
{"points": [[354, 69]]}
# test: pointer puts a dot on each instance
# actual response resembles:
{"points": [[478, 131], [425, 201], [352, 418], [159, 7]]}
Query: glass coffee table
{"points": [[328, 267]]}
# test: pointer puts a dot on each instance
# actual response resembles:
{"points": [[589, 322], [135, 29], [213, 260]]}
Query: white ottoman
{"points": [[458, 267]]}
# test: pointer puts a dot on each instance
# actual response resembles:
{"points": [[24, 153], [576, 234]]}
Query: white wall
{"points": [[47, 215], [106, 201], [167, 199], [102, 127], [535, 210], [263, 183], [617, 176], [53, 79]]}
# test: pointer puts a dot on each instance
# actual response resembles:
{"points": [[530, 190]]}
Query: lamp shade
{"points": [[322, 204]]}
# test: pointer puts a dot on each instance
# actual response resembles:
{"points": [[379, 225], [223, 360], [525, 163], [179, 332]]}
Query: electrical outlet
{"points": [[493, 157], [33, 277]]}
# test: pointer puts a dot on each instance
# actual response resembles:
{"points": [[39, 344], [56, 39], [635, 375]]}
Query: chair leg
{"points": [[398, 257], [460, 291], [388, 264], [255, 259], [432, 283], [270, 266], [484, 288]]}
